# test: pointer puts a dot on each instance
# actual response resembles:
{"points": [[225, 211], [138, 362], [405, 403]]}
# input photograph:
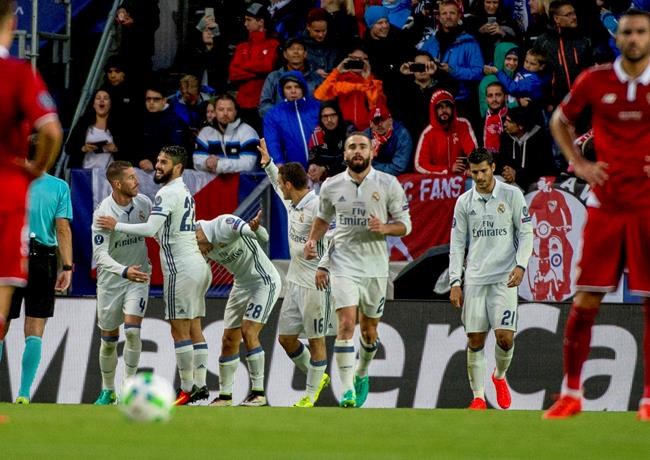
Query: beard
{"points": [[356, 166], [163, 179]]}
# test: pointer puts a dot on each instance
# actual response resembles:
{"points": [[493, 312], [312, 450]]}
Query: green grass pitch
{"points": [[57, 431]]}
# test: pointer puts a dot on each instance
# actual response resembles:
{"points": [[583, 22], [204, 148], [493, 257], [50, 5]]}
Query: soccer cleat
{"points": [[564, 407], [503, 392], [22, 400], [219, 402], [477, 404], [361, 388], [304, 402], [644, 412], [324, 382], [183, 398], [254, 400], [199, 394], [106, 398], [349, 399]]}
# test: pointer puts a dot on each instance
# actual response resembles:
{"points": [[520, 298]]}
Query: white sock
{"points": [[227, 368], [344, 354], [200, 363], [108, 361], [255, 362], [184, 352], [301, 358], [503, 359], [132, 349], [366, 355], [315, 373], [476, 371]]}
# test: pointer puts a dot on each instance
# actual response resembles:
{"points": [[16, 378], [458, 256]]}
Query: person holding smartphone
{"points": [[490, 25]]}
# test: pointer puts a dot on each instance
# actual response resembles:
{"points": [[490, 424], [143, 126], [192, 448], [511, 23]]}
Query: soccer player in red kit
{"points": [[25, 106], [617, 232]]}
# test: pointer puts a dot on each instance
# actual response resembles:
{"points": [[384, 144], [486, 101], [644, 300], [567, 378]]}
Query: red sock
{"points": [[577, 341], [646, 348]]}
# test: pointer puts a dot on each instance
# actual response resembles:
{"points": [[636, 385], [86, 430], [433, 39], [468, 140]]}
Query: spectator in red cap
{"points": [[391, 142], [445, 144]]}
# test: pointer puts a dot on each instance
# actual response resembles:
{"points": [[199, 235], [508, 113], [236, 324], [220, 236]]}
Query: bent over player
{"points": [[186, 274], [368, 206], [233, 243], [123, 271], [494, 218], [617, 231]]}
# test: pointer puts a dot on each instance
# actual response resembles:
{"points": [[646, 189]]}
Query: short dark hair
{"points": [[496, 83], [447, 3], [294, 173], [116, 169], [555, 6], [522, 116], [635, 12], [356, 133], [539, 53], [177, 153], [479, 155], [224, 97]]}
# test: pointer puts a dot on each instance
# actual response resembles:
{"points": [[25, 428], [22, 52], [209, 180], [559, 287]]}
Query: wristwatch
{"points": [[67, 268]]}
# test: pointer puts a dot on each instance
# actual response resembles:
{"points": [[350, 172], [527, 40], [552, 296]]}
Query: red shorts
{"points": [[611, 242], [14, 243]]}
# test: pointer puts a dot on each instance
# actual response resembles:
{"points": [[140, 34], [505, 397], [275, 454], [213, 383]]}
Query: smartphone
{"points": [[417, 67], [354, 64], [99, 146], [491, 20], [209, 12]]}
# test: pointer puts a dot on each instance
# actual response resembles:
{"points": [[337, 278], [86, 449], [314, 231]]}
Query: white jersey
{"points": [[356, 250], [301, 216], [499, 231], [236, 247], [114, 251], [177, 238]]}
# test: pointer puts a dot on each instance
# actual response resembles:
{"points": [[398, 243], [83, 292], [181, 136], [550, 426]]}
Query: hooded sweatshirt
{"points": [[500, 53], [439, 147]]}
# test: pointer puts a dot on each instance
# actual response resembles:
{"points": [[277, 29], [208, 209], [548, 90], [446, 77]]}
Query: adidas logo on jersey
{"points": [[341, 199], [472, 213]]}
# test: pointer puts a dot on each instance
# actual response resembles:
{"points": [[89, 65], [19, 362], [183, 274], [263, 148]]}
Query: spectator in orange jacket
{"points": [[252, 61], [445, 144], [352, 84]]}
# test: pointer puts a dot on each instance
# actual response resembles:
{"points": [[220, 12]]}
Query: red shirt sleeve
{"points": [[35, 101], [578, 97]]}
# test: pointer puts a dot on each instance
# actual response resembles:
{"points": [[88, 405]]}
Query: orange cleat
{"points": [[478, 404], [503, 392], [565, 407], [644, 411], [183, 398]]}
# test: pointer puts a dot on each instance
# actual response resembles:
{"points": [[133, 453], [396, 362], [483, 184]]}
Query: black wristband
{"points": [[67, 268]]}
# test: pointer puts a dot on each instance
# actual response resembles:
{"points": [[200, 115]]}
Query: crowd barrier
{"points": [[421, 361]]}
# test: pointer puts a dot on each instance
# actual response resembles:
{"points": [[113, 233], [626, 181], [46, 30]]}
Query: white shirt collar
{"points": [[479, 196], [623, 77], [4, 52]]}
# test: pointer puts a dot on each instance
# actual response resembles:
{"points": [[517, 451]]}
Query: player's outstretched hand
{"points": [[516, 276], [322, 279], [264, 152], [134, 274], [593, 173], [376, 225], [254, 223], [309, 251], [456, 296], [106, 222]]}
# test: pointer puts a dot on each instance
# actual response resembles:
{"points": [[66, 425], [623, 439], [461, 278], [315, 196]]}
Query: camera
{"points": [[417, 67], [354, 64]]}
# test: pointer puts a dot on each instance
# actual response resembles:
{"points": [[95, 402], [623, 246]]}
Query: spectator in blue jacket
{"points": [[391, 142], [288, 125], [459, 55]]}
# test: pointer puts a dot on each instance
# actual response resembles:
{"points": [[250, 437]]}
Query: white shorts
{"points": [[489, 306], [184, 292], [369, 294], [305, 311], [113, 302], [253, 302]]}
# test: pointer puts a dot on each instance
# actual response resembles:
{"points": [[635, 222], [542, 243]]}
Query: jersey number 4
{"points": [[187, 222]]}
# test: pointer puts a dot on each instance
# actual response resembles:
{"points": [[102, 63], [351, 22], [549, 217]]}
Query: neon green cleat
{"points": [[361, 387], [22, 400], [304, 402], [106, 398], [349, 399], [324, 383]]}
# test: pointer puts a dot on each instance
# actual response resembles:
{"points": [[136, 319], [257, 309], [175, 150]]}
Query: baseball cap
{"points": [[257, 11], [380, 113]]}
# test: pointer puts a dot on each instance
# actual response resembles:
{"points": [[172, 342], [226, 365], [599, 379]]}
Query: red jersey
{"points": [[620, 117], [25, 104]]}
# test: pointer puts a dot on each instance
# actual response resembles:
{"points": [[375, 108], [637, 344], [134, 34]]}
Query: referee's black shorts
{"points": [[39, 292]]}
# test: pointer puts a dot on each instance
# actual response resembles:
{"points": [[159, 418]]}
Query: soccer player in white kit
{"points": [[187, 275], [233, 243], [368, 206], [493, 217], [305, 309], [123, 271]]}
